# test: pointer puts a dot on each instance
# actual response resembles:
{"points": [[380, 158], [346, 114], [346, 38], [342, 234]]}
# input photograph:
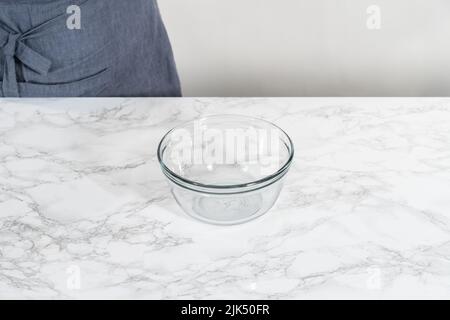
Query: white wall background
{"points": [[310, 47]]}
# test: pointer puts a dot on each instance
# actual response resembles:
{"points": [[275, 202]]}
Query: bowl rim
{"points": [[281, 170]]}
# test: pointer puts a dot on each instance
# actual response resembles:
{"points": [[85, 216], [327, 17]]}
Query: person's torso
{"points": [[84, 48]]}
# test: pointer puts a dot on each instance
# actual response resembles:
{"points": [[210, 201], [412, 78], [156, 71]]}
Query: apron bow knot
{"points": [[14, 48]]}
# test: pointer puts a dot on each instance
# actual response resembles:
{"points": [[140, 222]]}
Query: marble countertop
{"points": [[85, 211]]}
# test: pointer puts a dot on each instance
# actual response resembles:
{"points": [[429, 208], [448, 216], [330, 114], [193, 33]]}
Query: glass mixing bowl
{"points": [[226, 169]]}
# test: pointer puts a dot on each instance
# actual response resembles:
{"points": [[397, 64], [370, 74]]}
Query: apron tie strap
{"points": [[14, 48]]}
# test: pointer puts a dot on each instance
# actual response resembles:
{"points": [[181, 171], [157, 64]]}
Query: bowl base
{"points": [[228, 210]]}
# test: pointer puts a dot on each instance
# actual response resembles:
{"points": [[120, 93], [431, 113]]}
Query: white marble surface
{"points": [[85, 211]]}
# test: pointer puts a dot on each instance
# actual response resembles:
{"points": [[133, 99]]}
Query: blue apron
{"points": [[121, 50]]}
